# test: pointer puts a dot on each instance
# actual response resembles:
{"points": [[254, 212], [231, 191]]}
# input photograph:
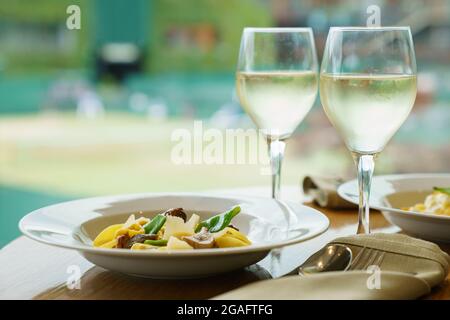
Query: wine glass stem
{"points": [[276, 154], [366, 165]]}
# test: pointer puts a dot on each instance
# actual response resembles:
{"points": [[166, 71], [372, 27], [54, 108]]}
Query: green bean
{"points": [[154, 225], [159, 243], [443, 190], [220, 221]]}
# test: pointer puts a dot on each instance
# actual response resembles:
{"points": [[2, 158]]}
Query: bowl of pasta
{"points": [[175, 235], [419, 204]]}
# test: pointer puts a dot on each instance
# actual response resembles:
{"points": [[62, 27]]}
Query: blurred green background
{"points": [[90, 112]]}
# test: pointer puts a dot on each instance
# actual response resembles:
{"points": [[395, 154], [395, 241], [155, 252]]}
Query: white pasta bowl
{"points": [[267, 223], [390, 193]]}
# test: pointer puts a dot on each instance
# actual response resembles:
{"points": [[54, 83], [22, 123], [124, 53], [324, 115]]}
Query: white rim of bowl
{"points": [[176, 253]]}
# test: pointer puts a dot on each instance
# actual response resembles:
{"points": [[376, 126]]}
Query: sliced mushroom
{"points": [[122, 241], [176, 212], [139, 238], [200, 240]]}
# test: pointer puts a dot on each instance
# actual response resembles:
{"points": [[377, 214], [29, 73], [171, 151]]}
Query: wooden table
{"points": [[30, 270]]}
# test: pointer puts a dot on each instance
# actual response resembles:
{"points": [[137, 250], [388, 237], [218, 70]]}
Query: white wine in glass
{"points": [[367, 109], [277, 82], [368, 87], [277, 101]]}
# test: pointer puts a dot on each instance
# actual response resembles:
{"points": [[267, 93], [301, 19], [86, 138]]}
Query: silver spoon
{"points": [[335, 257]]}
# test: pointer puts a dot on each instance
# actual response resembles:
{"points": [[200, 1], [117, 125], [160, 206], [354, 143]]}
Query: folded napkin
{"points": [[420, 258], [331, 286], [323, 190], [409, 269]]}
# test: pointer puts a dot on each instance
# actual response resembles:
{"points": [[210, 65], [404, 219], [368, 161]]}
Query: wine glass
{"points": [[277, 81], [367, 88]]}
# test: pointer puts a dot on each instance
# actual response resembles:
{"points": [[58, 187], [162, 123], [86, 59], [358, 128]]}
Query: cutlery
{"points": [[335, 257], [366, 258], [338, 257]]}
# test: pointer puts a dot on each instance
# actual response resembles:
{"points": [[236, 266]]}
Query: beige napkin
{"points": [[332, 286], [323, 190], [409, 269], [423, 259]]}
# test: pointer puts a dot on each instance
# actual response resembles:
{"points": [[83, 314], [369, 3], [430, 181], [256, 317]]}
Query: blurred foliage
{"points": [[39, 11], [20, 17], [220, 15], [161, 17]]}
